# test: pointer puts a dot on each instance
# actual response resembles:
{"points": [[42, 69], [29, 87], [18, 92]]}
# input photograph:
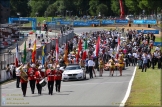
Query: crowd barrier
{"points": [[10, 58]]}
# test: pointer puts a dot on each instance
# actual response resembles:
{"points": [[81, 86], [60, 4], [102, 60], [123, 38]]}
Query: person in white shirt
{"points": [[157, 48], [18, 77], [90, 67]]}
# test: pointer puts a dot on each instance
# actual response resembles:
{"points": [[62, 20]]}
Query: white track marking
{"points": [[128, 90]]}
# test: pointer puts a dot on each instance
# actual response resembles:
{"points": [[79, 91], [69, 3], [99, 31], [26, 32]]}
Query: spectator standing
{"points": [[144, 65]]}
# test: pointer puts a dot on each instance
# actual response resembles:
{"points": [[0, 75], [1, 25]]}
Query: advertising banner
{"points": [[144, 21], [81, 23], [94, 22], [121, 21], [149, 31], [157, 43], [105, 22]]}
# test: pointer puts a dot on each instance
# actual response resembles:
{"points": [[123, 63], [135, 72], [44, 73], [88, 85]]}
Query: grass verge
{"points": [[158, 39], [146, 87]]}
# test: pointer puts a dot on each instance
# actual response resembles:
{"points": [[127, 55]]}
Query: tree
{"points": [[102, 8], [115, 7], [132, 8], [39, 6], [93, 7], [20, 6], [51, 9]]}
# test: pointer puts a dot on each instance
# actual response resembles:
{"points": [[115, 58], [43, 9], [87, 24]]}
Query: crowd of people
{"points": [[116, 50]]}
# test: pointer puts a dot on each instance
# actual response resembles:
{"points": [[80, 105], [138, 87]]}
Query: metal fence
{"points": [[9, 58]]}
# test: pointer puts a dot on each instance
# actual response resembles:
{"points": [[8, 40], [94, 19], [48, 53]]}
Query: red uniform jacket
{"points": [[38, 77], [42, 74], [22, 80], [58, 75], [50, 75], [31, 73]]}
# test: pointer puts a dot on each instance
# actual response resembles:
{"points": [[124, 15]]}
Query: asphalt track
{"points": [[99, 91]]}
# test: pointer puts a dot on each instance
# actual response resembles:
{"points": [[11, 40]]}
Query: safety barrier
{"points": [[10, 58]]}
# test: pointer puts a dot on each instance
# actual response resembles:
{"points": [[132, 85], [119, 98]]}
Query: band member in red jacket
{"points": [[31, 74], [50, 79], [23, 81], [58, 77], [38, 78]]}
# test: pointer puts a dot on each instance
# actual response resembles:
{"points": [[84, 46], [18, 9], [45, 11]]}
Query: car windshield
{"points": [[72, 67]]}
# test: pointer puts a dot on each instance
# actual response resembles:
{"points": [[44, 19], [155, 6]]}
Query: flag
{"points": [[43, 55], [118, 47], [17, 56], [118, 44], [24, 58], [66, 54], [97, 46], [57, 50], [85, 50], [79, 49], [34, 52]]}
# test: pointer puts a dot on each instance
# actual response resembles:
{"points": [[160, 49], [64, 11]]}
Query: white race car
{"points": [[73, 72]]}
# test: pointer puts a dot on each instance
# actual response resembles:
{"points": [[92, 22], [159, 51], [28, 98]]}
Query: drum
{"points": [[43, 82]]}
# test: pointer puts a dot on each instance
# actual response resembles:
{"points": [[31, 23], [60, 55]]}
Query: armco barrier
{"points": [[144, 22], [149, 31]]}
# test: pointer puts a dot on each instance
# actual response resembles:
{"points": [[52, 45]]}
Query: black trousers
{"points": [[32, 85], [50, 87], [134, 61], [90, 68], [148, 63], [24, 88], [87, 69], [39, 88], [58, 85], [17, 81], [144, 66], [153, 63]]}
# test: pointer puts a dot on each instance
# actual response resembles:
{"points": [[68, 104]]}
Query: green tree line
{"points": [[52, 8]]}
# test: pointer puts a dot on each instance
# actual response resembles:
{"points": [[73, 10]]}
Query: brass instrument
{"points": [[23, 74]]}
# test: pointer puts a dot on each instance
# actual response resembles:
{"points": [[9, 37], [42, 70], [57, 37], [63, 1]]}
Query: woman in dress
{"points": [[112, 65], [101, 65], [120, 64]]}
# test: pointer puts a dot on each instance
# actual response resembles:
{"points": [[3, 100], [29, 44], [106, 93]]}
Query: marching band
{"points": [[39, 77]]}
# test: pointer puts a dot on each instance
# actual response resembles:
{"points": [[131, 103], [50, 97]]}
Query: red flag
{"points": [[97, 45], [79, 49], [57, 50], [34, 52], [121, 9]]}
